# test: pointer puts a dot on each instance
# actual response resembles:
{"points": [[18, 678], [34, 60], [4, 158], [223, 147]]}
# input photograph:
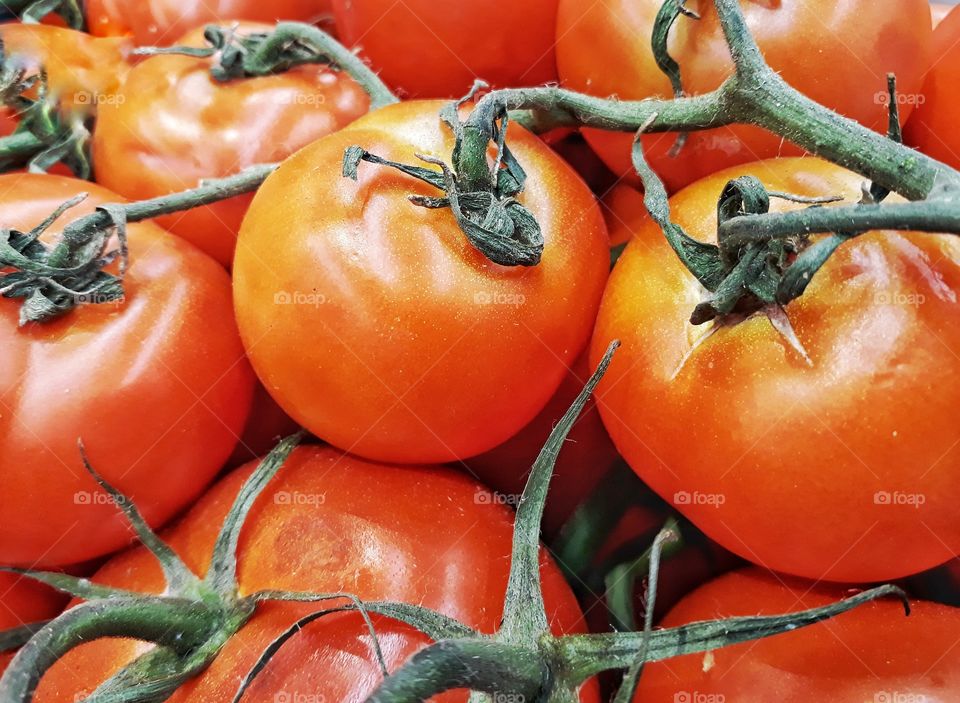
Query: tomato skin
{"points": [[173, 125], [412, 548], [401, 342], [23, 601], [428, 50], [82, 71], [162, 22], [800, 454], [872, 653], [932, 127], [157, 387], [817, 46]]}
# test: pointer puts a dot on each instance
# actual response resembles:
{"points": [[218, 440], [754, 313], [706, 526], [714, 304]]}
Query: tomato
{"points": [[156, 386], [266, 425], [846, 468], [624, 212], [939, 10], [82, 71], [173, 125], [22, 602], [871, 653], [380, 328], [426, 49], [818, 46], [932, 128], [162, 22], [586, 457], [323, 525]]}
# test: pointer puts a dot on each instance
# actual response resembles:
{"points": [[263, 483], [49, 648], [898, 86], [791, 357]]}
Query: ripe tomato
{"points": [[379, 327], [82, 71], [932, 128], [846, 468], [429, 50], [162, 22], [818, 46], [156, 386], [22, 602], [266, 425], [586, 457], [323, 525], [872, 653], [173, 125]]}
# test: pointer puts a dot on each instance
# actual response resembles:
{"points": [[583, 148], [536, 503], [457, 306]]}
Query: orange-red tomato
{"points": [[83, 72], [324, 525], [819, 46], [157, 387], [173, 125], [163, 22], [872, 653], [22, 602], [426, 49], [379, 327], [266, 425], [933, 126], [843, 468]]}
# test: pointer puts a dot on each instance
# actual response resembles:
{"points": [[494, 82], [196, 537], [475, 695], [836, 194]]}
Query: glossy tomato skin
{"points": [[819, 47], [932, 127], [83, 72], [22, 602], [163, 22], [380, 328], [425, 49], [872, 653], [157, 387], [323, 525], [844, 469], [174, 125]]}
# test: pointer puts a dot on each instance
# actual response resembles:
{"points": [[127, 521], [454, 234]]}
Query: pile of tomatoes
{"points": [[805, 463]]}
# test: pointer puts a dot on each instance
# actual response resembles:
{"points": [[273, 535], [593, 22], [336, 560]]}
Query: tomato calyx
{"points": [[238, 56], [44, 135], [481, 196], [32, 11]]}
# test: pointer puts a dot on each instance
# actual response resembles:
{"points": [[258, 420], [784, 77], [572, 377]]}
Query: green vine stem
{"points": [[289, 44], [32, 11]]}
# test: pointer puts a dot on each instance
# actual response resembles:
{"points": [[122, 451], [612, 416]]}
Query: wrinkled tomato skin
{"points": [[872, 653], [322, 525], [163, 22], [82, 71], [380, 328], [846, 468], [425, 49], [173, 125], [818, 46], [22, 602], [156, 386], [933, 126]]}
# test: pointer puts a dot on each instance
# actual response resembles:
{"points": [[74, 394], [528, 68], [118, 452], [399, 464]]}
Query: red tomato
{"points": [[266, 425], [323, 525], [843, 468], [380, 328], [22, 602], [163, 22], [624, 212], [586, 457], [873, 653], [932, 128], [818, 46], [83, 72], [426, 49], [173, 125], [156, 386]]}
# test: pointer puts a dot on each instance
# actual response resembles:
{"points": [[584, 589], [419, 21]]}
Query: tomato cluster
{"points": [[366, 293]]}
